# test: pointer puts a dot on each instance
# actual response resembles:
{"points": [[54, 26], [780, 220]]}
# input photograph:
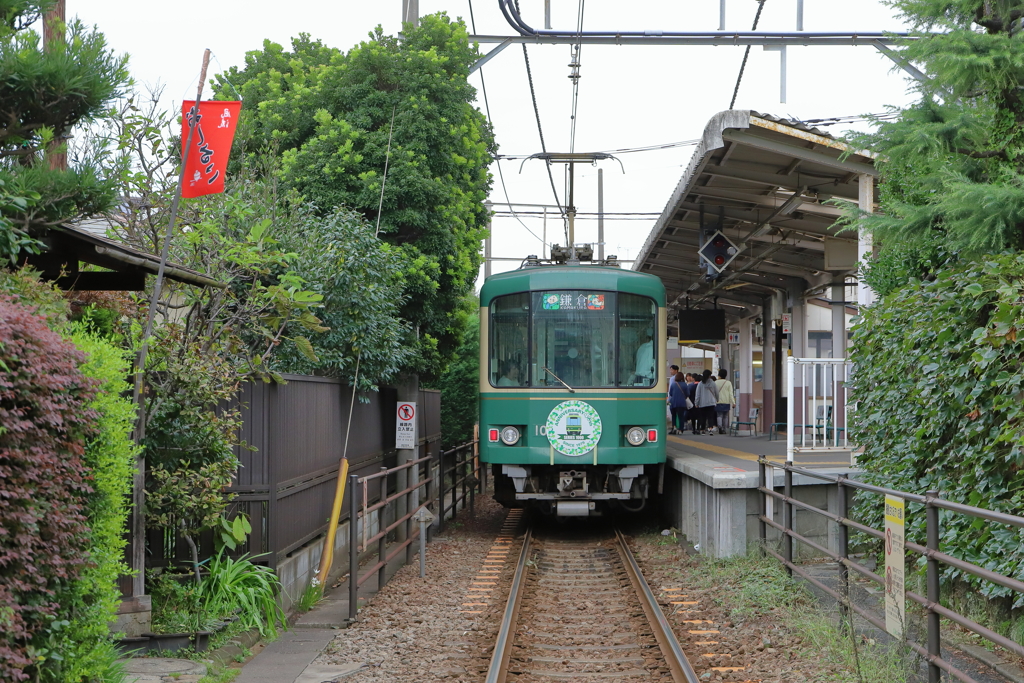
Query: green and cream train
{"points": [[573, 387]]}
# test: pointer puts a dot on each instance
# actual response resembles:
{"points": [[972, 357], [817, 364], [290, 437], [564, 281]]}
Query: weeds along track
{"points": [[579, 610]]}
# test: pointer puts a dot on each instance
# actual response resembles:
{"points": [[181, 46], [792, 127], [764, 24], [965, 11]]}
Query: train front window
{"points": [[574, 338], [510, 318], [638, 326]]}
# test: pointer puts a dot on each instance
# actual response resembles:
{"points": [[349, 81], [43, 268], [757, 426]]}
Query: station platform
{"points": [[742, 452], [711, 496]]}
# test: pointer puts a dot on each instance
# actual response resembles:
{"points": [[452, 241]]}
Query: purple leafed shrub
{"points": [[43, 482]]}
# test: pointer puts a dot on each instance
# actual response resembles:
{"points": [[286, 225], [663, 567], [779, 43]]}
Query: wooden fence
{"points": [[285, 484]]}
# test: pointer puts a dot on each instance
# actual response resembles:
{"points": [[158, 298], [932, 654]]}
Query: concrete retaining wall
{"points": [[717, 507]]}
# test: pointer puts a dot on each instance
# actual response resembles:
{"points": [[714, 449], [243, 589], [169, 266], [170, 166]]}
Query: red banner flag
{"points": [[211, 145]]}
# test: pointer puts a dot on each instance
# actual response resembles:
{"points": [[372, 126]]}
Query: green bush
{"points": [[241, 585], [89, 604], [460, 385], [940, 405]]}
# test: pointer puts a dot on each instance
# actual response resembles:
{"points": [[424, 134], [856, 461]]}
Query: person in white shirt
{"points": [[645, 360], [511, 376], [726, 400]]}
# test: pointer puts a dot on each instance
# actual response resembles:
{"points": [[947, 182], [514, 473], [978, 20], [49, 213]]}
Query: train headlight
{"points": [[510, 436], [635, 436]]}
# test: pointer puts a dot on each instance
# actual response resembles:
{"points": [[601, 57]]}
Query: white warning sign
{"points": [[895, 591], [405, 425]]}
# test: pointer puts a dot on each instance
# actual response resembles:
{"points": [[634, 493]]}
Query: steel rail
{"points": [[498, 669], [675, 658], [678, 664]]}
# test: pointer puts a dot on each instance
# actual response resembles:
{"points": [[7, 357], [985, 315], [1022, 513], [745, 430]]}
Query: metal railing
{"points": [[460, 468], [931, 652], [823, 405], [359, 490]]}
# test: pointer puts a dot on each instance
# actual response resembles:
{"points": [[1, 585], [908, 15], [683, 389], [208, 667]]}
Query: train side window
{"points": [[510, 319], [638, 327]]}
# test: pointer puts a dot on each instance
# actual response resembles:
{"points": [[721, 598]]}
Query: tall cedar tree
{"points": [[329, 114], [952, 165], [44, 94]]}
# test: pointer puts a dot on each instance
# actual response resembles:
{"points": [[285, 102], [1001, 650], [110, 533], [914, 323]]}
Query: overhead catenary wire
{"points": [[540, 132], [487, 109], [746, 54], [624, 150]]}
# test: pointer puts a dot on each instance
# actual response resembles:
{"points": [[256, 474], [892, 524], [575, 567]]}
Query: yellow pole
{"points": [[327, 556]]}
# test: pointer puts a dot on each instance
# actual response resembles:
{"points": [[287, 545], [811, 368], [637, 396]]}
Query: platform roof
{"points": [[769, 181]]}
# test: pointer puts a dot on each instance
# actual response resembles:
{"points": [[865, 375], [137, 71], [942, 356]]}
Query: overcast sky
{"points": [[628, 97]]}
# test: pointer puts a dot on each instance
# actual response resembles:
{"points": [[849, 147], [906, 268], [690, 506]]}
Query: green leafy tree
{"points": [[952, 164], [360, 279], [44, 95], [329, 115], [208, 340], [460, 383]]}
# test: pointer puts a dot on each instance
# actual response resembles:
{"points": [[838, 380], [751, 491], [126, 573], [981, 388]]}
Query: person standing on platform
{"points": [[691, 393], [707, 399], [726, 400], [677, 402]]}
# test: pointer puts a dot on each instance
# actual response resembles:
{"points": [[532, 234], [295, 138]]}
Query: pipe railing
{"points": [[465, 462], [361, 485], [931, 652], [462, 468]]}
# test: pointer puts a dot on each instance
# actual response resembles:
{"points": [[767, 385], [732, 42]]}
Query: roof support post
{"points": [[838, 320], [798, 345], [865, 245], [745, 386], [768, 360]]}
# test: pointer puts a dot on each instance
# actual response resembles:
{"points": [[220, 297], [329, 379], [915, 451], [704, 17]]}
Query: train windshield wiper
{"points": [[571, 390]]}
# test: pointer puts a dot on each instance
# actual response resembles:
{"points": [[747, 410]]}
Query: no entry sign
{"points": [[405, 425]]}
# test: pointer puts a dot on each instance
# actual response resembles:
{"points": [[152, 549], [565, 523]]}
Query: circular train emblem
{"points": [[574, 428]]}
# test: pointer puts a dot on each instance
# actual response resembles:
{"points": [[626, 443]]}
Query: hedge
{"points": [[43, 429], [940, 405]]}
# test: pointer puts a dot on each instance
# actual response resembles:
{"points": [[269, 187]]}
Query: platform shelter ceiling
{"points": [[770, 180]]}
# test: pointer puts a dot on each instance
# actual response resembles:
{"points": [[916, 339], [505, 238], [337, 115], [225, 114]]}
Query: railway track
{"points": [[579, 610]]}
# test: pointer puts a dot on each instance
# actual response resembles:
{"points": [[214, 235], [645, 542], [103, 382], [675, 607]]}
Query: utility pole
{"points": [[53, 40], [600, 214], [487, 241], [411, 12], [570, 213]]}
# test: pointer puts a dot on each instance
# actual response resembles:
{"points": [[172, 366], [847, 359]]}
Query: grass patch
{"points": [[752, 587], [220, 674]]}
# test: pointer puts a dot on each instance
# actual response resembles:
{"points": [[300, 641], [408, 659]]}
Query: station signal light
{"points": [[717, 253]]}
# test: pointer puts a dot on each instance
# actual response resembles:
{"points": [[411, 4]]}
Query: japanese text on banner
{"points": [[207, 163]]}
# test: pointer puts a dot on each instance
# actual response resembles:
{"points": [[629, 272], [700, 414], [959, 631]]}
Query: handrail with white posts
{"points": [[827, 400]]}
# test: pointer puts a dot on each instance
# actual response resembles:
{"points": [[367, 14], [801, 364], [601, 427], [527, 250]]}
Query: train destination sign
{"points": [[572, 301], [574, 428]]}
